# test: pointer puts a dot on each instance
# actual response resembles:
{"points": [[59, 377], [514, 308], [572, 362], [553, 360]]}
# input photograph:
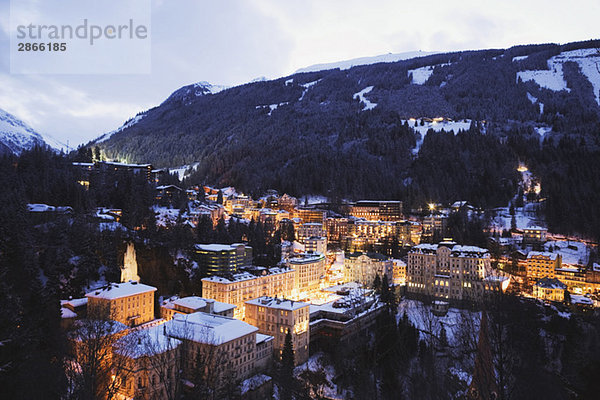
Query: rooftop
{"points": [[545, 254], [272, 302], [146, 342], [215, 247], [208, 328], [550, 283], [118, 290], [245, 276]]}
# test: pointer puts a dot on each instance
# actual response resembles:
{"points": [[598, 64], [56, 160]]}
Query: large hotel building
{"points": [[447, 271]]}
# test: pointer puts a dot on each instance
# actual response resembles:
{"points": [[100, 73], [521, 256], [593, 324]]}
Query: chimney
{"points": [[210, 306]]}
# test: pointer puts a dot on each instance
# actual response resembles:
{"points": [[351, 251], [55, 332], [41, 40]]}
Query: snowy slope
{"points": [[553, 79], [127, 124], [361, 96], [186, 94], [16, 136], [436, 125], [383, 58]]}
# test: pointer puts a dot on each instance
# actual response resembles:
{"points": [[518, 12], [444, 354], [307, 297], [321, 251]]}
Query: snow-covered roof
{"points": [[75, 302], [244, 276], [550, 283], [208, 328], [146, 342], [118, 290], [66, 313], [545, 254], [283, 304], [215, 247], [535, 228], [305, 258], [457, 250], [260, 338]]}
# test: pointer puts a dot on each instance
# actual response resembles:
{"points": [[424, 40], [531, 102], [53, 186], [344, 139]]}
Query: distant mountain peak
{"points": [[187, 94], [16, 136], [382, 58]]}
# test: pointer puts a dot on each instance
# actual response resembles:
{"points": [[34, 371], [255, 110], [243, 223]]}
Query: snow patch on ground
{"points": [[361, 96], [184, 171], [519, 58], [166, 217], [422, 318], [589, 63], [307, 86], [447, 126], [315, 363], [421, 75], [127, 124], [542, 131], [571, 252], [531, 98], [553, 78], [272, 107]]}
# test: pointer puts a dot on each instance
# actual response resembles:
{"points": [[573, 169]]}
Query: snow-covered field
{"points": [[553, 78], [361, 96], [448, 126], [571, 252], [184, 170], [421, 75]]}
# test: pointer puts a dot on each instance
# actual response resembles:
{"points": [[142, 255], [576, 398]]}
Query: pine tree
{"points": [[286, 369]]}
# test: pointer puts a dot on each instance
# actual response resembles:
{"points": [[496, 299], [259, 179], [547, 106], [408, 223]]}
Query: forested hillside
{"points": [[313, 133]]}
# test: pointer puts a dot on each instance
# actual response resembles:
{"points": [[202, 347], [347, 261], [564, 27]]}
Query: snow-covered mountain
{"points": [[186, 94], [16, 136], [383, 58]]}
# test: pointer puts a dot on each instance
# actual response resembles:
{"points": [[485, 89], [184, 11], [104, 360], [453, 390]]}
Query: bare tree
{"points": [[92, 371]]}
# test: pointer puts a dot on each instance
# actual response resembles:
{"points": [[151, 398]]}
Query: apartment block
{"points": [[245, 286], [363, 267], [542, 264], [130, 303], [275, 316], [447, 271]]}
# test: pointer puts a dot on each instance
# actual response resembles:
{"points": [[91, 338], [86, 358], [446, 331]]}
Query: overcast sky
{"points": [[234, 41]]}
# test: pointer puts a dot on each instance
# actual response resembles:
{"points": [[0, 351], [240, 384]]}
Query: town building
{"points": [[434, 225], [130, 303], [222, 259], [363, 267], [534, 235], [381, 210], [399, 272], [276, 316], [550, 289], [310, 215], [337, 229], [243, 286], [316, 244], [224, 348], [447, 271], [310, 229], [542, 264], [309, 269], [192, 304], [148, 364]]}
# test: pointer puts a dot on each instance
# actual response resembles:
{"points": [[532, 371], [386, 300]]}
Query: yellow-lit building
{"points": [[316, 244], [246, 286], [534, 234], [447, 271], [275, 316], [309, 270], [148, 365], [222, 259], [542, 264], [192, 304], [399, 267], [363, 267], [377, 210], [550, 289], [310, 229], [226, 347], [130, 303]]}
